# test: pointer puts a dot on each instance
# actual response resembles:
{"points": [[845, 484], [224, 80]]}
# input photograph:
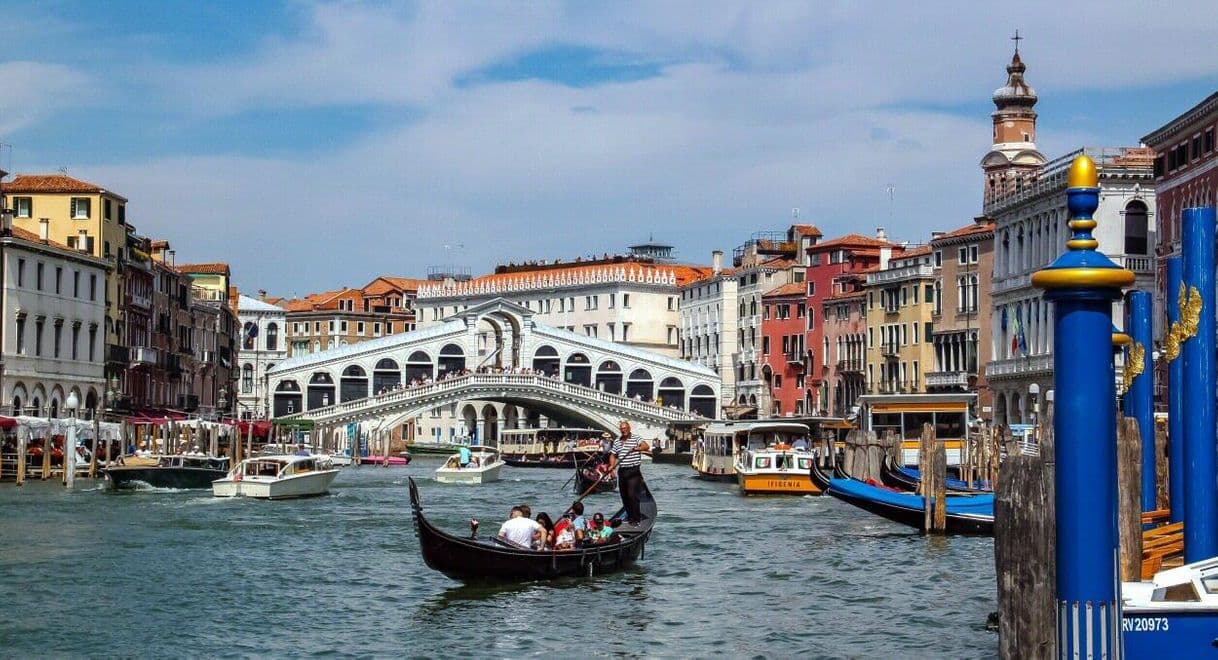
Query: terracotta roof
{"points": [[807, 230], [386, 283], [844, 296], [205, 269], [965, 231], [53, 183], [723, 272], [789, 289], [914, 252], [30, 236], [856, 240]]}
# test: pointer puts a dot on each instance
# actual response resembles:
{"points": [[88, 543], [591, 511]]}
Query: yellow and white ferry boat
{"points": [[777, 460]]}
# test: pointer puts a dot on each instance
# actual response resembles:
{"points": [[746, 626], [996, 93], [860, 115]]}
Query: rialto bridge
{"points": [[493, 352]]}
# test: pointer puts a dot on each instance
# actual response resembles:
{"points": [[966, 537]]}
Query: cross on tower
{"points": [[1017, 39]]}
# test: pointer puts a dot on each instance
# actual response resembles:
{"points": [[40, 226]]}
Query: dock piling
{"points": [[1197, 333]]}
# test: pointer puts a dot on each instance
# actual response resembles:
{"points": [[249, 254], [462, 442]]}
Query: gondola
{"points": [[908, 479], [966, 514], [491, 559], [588, 479]]}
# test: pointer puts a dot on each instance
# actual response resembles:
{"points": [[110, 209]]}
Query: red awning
{"points": [[262, 428], [7, 422]]}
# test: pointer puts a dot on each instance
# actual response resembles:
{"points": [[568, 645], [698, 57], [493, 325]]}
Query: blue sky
{"points": [[318, 144]]}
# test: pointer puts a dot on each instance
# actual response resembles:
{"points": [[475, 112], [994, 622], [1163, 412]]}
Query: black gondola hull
{"points": [[584, 482], [470, 559], [162, 477]]}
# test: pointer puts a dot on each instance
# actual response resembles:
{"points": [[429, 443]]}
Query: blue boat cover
{"points": [[964, 505], [955, 484]]}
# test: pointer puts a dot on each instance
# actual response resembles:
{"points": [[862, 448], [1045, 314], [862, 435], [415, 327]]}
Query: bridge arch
{"points": [[321, 390], [702, 400], [546, 360], [386, 375], [490, 426], [418, 367], [353, 384], [578, 370], [288, 398], [671, 392], [640, 384], [609, 377], [452, 359]]}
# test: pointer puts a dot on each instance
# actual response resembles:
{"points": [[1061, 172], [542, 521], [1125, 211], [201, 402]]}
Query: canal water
{"points": [[143, 574]]}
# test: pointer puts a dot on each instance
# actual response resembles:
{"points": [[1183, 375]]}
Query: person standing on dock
{"points": [[627, 457]]}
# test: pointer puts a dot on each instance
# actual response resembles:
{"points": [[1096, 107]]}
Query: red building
{"points": [[1186, 169], [784, 349], [830, 265]]}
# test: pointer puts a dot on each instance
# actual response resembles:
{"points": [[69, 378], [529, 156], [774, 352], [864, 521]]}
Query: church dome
{"points": [[1017, 92]]}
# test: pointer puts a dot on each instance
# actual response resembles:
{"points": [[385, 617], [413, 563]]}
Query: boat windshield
{"points": [[262, 468]]}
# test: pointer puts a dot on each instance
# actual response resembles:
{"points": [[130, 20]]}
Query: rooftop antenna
{"points": [[892, 199]]}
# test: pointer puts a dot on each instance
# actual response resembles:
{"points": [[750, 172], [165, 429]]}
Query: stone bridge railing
{"points": [[491, 386]]}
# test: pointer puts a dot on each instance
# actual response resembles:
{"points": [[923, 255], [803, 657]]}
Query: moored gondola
{"points": [[966, 514], [490, 559], [909, 480]]}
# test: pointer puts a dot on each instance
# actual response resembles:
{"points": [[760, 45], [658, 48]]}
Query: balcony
{"points": [[795, 357], [1015, 367], [850, 366], [1011, 283], [947, 379], [118, 354], [144, 355], [139, 300], [1139, 264], [899, 274], [891, 351]]}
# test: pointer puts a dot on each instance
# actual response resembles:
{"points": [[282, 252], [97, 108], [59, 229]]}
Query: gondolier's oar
{"points": [[602, 478]]}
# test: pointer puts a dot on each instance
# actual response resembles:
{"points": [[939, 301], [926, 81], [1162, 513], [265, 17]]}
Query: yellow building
{"points": [[82, 215], [900, 305]]}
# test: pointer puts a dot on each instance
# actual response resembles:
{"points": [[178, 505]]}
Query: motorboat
{"points": [[720, 451], [482, 465], [341, 459], [169, 471], [1174, 614], [779, 469], [401, 460], [474, 559], [276, 477]]}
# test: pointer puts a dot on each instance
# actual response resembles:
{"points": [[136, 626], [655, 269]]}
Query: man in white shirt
{"points": [[521, 530]]}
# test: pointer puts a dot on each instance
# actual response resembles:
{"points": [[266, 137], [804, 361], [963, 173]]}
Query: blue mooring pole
{"points": [[1083, 283], [1140, 391], [1175, 391], [1197, 344]]}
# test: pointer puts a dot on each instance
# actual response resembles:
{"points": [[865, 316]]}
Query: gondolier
{"points": [[627, 457]]}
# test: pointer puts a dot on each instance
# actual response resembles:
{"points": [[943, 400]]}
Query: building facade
{"points": [[54, 316], [844, 320], [707, 312], [263, 344], [964, 265], [321, 321], [1030, 231], [900, 306], [784, 350]]}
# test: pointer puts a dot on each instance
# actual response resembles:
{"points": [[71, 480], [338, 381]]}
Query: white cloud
{"points": [[36, 90], [759, 108]]}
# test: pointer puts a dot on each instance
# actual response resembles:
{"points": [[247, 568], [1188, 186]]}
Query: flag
{"points": [[1015, 330], [1023, 336]]}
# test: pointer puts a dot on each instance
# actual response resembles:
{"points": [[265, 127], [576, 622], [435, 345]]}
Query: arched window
{"points": [[249, 332], [287, 398], [671, 393], [702, 400], [385, 375], [545, 360], [578, 370], [640, 384], [418, 367], [247, 379], [609, 377], [353, 384], [272, 337], [452, 358], [1135, 228]]}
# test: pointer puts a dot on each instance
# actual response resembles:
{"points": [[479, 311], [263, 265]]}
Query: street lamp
{"points": [[1034, 392], [222, 401], [69, 461]]}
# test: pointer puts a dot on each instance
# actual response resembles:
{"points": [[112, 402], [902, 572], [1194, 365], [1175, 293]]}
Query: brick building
{"points": [[964, 266], [784, 354]]}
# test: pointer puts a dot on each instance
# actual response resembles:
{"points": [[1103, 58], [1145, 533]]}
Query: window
{"points": [[926, 332], [247, 379], [106, 248], [962, 256], [626, 304], [1135, 228], [93, 288], [376, 329], [612, 300], [938, 258], [811, 288], [24, 206], [58, 335], [106, 209], [625, 331], [80, 208], [92, 341], [21, 335], [38, 325], [359, 328], [972, 254], [75, 341], [58, 280], [765, 345], [272, 337], [38, 276], [1207, 140], [21, 272], [672, 303]]}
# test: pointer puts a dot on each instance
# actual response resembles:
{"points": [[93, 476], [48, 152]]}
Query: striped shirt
{"points": [[625, 451]]}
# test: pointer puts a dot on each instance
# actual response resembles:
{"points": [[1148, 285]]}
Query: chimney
{"points": [[44, 229], [881, 234], [717, 261], [261, 294], [936, 235], [885, 256]]}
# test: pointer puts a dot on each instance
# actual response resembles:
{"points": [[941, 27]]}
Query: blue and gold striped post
{"points": [[1082, 284], [1140, 386], [1197, 343], [1175, 391]]}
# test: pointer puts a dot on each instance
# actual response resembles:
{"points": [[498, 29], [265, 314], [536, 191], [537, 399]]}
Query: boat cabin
{"points": [[193, 461], [904, 414], [278, 467], [549, 440]]}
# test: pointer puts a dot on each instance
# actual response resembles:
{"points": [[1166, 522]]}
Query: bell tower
{"points": [[1013, 159]]}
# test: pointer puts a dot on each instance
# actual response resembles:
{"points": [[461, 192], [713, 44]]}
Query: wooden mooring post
{"points": [[1024, 534], [22, 446], [932, 466], [1129, 497]]}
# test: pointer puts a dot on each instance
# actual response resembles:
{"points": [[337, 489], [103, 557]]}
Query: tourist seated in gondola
{"points": [[521, 530], [564, 534], [547, 524], [579, 524]]}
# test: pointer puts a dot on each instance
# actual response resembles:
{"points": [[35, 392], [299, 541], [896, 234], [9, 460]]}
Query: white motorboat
{"points": [[276, 477], [483, 465]]}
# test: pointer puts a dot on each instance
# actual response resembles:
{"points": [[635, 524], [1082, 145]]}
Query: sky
{"points": [[314, 145]]}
